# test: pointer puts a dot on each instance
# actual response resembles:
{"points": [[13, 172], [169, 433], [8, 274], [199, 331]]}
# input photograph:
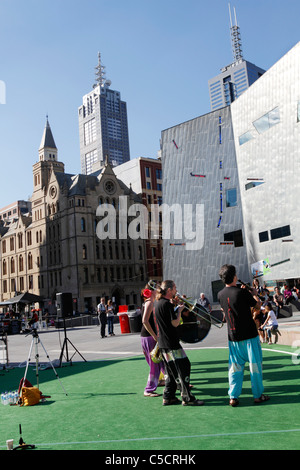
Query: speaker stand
{"points": [[65, 346]]}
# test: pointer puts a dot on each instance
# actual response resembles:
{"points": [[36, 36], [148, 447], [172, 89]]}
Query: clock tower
{"points": [[46, 164]]}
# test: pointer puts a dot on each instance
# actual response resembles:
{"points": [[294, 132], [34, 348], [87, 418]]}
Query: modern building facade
{"points": [[103, 126], [144, 176], [241, 163], [200, 174], [57, 248], [233, 80], [266, 123]]}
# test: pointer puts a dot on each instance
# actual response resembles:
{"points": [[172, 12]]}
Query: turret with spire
{"points": [[47, 149], [47, 160]]}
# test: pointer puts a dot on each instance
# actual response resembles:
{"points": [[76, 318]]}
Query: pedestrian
{"points": [[110, 314], [101, 308], [176, 363], [243, 339], [204, 302]]}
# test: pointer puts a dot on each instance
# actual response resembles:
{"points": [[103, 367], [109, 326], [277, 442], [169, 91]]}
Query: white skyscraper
{"points": [[103, 127]]}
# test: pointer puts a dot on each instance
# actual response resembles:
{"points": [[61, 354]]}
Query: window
{"points": [[280, 232], [30, 261], [90, 131], [236, 237], [245, 137], [21, 263], [263, 236], [267, 121], [158, 174], [147, 172], [20, 240], [231, 197], [253, 184], [83, 224]]}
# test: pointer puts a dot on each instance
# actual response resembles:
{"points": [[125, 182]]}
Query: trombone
{"points": [[193, 307]]}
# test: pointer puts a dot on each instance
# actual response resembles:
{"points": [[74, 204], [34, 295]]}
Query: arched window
{"points": [[84, 252], [12, 265], [82, 224], [30, 265]]}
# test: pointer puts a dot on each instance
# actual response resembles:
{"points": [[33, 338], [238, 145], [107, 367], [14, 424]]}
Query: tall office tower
{"points": [[103, 127], [235, 78]]}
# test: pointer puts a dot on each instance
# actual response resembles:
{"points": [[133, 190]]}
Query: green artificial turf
{"points": [[105, 408]]}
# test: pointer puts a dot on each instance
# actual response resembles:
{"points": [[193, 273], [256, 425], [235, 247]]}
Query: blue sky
{"points": [[159, 54]]}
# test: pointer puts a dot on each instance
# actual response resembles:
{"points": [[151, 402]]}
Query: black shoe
{"points": [[193, 403], [171, 401]]}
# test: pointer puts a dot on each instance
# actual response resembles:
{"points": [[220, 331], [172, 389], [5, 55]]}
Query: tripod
{"points": [[35, 341], [65, 345]]}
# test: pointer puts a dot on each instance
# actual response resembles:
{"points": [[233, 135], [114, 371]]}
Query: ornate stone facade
{"points": [[56, 248]]}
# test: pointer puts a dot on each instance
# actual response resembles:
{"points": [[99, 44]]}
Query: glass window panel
{"points": [[253, 184], [268, 120], [262, 124], [245, 137], [280, 232], [263, 237], [231, 197]]}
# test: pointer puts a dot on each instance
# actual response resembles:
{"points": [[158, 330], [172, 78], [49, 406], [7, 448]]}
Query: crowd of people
{"points": [[267, 310]]}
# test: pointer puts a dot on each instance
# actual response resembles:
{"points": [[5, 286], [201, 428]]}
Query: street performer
{"points": [[244, 343], [176, 364]]}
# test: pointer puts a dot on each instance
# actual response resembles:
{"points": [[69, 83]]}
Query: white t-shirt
{"points": [[272, 320]]}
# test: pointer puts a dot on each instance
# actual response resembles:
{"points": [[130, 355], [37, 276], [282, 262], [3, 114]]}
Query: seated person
{"points": [[271, 323]]}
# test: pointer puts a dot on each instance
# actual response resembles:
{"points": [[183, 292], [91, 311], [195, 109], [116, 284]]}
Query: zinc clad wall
{"points": [[269, 111], [203, 146]]}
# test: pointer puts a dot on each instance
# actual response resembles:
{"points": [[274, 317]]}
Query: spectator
{"points": [[101, 309], [278, 300], [204, 302], [271, 322], [110, 313], [288, 296]]}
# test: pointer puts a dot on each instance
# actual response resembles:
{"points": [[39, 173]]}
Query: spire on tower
{"points": [[100, 72], [235, 37], [47, 139]]}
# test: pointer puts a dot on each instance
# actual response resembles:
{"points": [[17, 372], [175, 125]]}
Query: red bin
{"points": [[124, 322]]}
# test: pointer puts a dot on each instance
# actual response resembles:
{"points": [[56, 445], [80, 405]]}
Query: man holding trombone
{"points": [[244, 343], [177, 364]]}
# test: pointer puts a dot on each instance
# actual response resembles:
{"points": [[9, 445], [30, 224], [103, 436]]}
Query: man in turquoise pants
{"points": [[244, 343]]}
